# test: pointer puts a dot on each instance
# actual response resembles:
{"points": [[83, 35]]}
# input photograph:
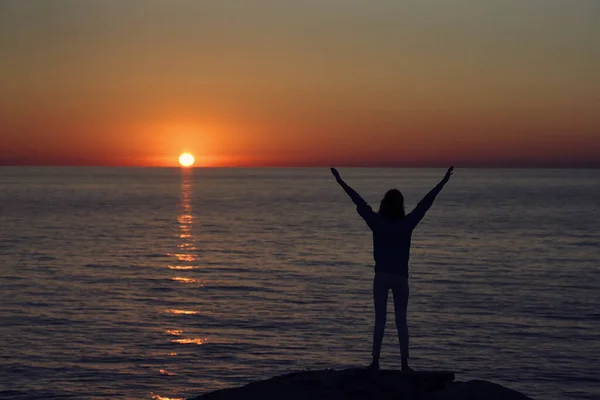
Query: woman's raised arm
{"points": [[356, 199], [363, 209], [425, 204]]}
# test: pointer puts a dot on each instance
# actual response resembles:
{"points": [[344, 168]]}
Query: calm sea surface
{"points": [[162, 283]]}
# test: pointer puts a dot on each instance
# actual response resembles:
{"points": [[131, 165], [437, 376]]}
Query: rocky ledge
{"points": [[359, 384]]}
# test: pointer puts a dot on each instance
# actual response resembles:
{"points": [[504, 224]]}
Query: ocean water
{"points": [[168, 283]]}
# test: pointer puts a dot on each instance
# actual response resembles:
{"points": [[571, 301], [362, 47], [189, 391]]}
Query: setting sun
{"points": [[186, 160]]}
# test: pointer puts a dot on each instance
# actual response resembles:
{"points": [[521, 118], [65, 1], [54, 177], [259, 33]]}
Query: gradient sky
{"points": [[311, 82]]}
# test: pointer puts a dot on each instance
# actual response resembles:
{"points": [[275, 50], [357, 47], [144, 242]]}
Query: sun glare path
{"points": [[159, 397], [186, 160], [190, 341], [182, 267], [184, 312]]}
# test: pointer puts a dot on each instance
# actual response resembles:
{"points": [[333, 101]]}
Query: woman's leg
{"points": [[400, 292], [380, 297]]}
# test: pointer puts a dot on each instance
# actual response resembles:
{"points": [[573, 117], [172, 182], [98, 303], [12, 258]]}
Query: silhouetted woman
{"points": [[392, 231]]}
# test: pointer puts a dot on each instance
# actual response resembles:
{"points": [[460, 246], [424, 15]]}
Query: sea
{"points": [[168, 283]]}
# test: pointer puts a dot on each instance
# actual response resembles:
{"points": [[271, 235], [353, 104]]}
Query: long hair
{"points": [[392, 205]]}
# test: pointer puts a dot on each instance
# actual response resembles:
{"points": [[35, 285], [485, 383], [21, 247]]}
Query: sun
{"points": [[186, 160]]}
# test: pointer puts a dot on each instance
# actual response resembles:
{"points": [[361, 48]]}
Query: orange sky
{"points": [[312, 83]]}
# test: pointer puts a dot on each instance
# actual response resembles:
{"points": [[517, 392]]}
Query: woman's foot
{"points": [[405, 367], [374, 364]]}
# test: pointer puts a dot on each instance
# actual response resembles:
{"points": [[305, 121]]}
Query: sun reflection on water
{"points": [[185, 261], [184, 256], [159, 397], [186, 220], [184, 312], [188, 280], [166, 373], [186, 246], [182, 267], [190, 341]]}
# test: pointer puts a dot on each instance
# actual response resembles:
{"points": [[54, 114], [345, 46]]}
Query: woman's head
{"points": [[392, 205]]}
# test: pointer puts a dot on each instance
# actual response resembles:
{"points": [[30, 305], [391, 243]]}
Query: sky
{"points": [[507, 83]]}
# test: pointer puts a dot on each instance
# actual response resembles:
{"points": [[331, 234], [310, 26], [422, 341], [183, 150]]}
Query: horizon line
{"points": [[473, 166]]}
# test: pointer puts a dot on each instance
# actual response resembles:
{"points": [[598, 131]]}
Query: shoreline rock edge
{"points": [[360, 383]]}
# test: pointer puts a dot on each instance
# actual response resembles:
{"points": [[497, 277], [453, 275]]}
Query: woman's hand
{"points": [[448, 174], [336, 174]]}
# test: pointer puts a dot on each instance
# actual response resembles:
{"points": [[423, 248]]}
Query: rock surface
{"points": [[359, 384]]}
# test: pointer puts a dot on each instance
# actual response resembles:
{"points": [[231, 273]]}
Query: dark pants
{"points": [[382, 283]]}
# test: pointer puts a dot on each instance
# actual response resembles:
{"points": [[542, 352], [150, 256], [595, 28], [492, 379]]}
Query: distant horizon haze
{"points": [[78, 163]]}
